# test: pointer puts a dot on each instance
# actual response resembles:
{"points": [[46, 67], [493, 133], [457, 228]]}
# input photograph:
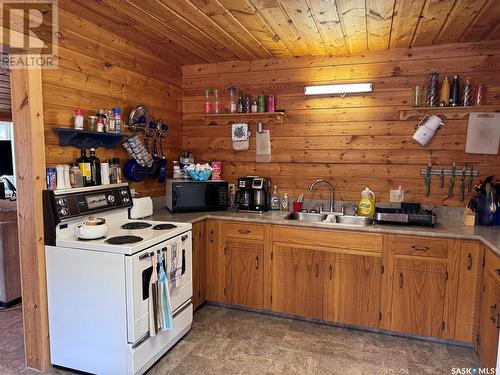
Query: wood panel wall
{"points": [[98, 69], [355, 141]]}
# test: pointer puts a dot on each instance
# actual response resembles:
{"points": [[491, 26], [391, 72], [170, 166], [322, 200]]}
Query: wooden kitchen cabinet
{"points": [[297, 280], [418, 296], [489, 320], [352, 286], [199, 264], [244, 274]]}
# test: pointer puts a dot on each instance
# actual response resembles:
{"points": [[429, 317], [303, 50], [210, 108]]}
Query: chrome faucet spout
{"points": [[331, 188]]}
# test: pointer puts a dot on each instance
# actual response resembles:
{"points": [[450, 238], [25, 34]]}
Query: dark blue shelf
{"points": [[87, 139]]}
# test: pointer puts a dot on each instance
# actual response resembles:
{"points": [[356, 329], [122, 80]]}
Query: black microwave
{"points": [[190, 196]]}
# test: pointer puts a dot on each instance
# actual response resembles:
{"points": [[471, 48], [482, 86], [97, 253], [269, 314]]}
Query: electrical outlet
{"points": [[232, 189], [397, 195]]}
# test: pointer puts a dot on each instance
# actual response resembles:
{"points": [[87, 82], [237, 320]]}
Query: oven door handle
{"points": [[146, 255], [183, 262]]}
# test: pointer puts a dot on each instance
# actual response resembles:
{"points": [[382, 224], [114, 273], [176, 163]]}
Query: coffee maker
{"points": [[253, 194]]}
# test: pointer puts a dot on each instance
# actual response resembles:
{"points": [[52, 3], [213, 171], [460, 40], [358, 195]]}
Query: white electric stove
{"points": [[98, 290]]}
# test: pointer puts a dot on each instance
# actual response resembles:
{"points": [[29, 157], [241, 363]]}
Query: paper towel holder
{"points": [[260, 127]]}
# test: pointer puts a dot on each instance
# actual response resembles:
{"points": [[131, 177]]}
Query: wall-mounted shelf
{"points": [[232, 118], [447, 112], [87, 139]]}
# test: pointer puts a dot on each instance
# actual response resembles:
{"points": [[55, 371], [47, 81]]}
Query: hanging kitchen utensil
{"points": [[428, 179], [452, 181], [469, 182], [162, 132], [151, 131], [462, 186], [441, 179], [483, 133], [139, 117]]}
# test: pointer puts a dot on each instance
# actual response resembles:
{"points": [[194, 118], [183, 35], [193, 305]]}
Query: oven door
{"points": [[139, 270]]}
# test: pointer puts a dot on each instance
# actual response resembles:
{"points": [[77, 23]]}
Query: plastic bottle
{"points": [[285, 203], [367, 203], [118, 120], [275, 200], [79, 119]]}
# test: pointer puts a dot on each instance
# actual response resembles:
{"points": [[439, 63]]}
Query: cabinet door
{"points": [[352, 288], [199, 264], [297, 281], [244, 273], [489, 322], [213, 256], [418, 296]]}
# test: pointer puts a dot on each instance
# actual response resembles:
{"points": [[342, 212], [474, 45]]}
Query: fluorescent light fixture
{"points": [[341, 89]]}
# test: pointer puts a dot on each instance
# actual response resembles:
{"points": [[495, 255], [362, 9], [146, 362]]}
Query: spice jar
{"points": [[92, 123]]}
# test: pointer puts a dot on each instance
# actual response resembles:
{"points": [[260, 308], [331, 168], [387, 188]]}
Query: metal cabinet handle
{"points": [[330, 272], [420, 248], [469, 262], [257, 262], [401, 279], [492, 311], [497, 271], [317, 270], [243, 231]]}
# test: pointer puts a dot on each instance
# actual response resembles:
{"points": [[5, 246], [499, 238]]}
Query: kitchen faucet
{"points": [[330, 187]]}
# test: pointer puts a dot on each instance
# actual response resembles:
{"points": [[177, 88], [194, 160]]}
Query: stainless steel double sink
{"points": [[320, 217]]}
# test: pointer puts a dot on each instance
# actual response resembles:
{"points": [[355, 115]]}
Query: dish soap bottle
{"points": [[275, 200], [367, 203], [285, 203]]}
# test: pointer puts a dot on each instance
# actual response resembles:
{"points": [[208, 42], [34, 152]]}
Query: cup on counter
{"points": [[297, 206]]}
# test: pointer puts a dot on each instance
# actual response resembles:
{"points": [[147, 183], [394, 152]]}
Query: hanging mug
{"points": [[427, 130]]}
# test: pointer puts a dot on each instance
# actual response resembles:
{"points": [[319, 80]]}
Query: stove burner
{"points": [[136, 225], [164, 226], [122, 240]]}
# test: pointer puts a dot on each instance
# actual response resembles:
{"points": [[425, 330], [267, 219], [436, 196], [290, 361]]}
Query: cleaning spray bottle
{"points": [[367, 203]]}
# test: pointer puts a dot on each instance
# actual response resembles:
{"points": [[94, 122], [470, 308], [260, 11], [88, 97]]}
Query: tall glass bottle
{"points": [[84, 163], [95, 168]]}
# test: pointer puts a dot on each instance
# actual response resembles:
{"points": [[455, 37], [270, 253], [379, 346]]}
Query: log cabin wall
{"points": [[355, 141], [99, 69]]}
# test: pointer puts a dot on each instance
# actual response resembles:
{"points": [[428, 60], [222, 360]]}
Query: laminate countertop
{"points": [[490, 236]]}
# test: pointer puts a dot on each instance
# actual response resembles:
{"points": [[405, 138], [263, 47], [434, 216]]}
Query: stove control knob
{"points": [[126, 200], [61, 202], [64, 211], [111, 198], [124, 192]]}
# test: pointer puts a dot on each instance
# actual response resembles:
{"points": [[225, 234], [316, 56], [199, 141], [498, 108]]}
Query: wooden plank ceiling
{"points": [[226, 30]]}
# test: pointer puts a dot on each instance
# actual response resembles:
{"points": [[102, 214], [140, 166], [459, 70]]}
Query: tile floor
{"points": [[229, 341]]}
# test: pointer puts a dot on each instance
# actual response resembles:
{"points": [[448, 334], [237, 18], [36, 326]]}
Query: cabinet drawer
{"points": [[420, 246], [492, 263], [244, 230]]}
